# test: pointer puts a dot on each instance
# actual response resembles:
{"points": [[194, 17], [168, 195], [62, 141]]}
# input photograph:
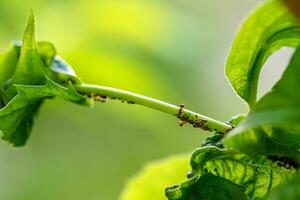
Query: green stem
{"points": [[197, 120]]}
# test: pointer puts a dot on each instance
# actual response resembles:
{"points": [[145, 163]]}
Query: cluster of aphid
{"points": [[284, 162], [194, 120], [97, 97]]}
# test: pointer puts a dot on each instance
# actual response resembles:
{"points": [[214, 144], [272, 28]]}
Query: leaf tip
{"points": [[31, 14], [29, 34]]}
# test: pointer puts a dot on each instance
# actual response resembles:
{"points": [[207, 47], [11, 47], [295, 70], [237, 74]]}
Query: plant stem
{"points": [[193, 118]]}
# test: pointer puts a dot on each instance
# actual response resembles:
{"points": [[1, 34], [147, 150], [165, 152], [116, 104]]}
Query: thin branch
{"points": [[193, 118]]}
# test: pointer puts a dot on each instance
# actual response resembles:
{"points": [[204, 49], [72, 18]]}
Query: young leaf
{"points": [[47, 52], [207, 187], [17, 116], [268, 29], [8, 63], [24, 86], [30, 69], [56, 68], [272, 127], [257, 177]]}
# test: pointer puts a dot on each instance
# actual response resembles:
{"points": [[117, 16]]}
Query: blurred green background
{"points": [[173, 50]]}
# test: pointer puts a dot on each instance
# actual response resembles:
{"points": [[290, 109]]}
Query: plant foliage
{"points": [[254, 178], [259, 153], [263, 149], [30, 73], [266, 30], [272, 127]]}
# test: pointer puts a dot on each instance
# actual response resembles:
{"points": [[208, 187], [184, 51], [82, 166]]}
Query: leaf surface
{"points": [[17, 116], [207, 187], [272, 127], [30, 69], [150, 182], [32, 72], [289, 190], [8, 63], [257, 178], [266, 30]]}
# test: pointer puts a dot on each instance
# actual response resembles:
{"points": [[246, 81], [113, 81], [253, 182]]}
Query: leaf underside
{"points": [[208, 187], [289, 190], [255, 178]]}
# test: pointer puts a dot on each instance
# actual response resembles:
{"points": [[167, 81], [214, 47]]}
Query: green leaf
{"points": [[17, 116], [52, 89], [24, 87], [258, 178], [55, 67], [8, 63], [214, 140], [289, 190], [47, 53], [268, 29], [150, 182], [207, 187], [272, 127], [30, 69]]}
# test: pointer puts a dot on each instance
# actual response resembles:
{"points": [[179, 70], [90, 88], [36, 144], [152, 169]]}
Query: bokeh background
{"points": [[173, 50]]}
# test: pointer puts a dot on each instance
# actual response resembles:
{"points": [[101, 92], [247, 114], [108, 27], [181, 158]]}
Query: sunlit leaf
{"points": [[30, 69], [269, 28], [207, 187], [151, 181], [289, 190], [258, 178], [47, 52], [8, 63], [272, 127]]}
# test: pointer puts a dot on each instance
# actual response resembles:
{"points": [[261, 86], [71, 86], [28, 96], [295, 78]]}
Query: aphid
{"points": [[100, 98], [181, 123], [181, 107], [90, 95], [284, 162], [130, 102]]}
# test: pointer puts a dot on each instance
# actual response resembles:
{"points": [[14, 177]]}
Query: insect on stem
{"points": [[185, 116]]}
